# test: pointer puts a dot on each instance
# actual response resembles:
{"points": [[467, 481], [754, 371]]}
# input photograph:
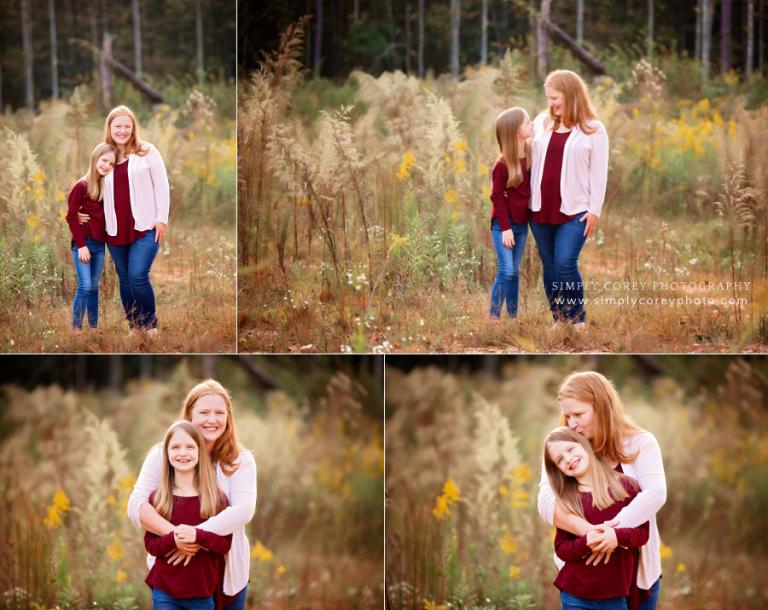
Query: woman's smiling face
{"points": [[579, 416], [121, 129], [106, 163], [555, 99], [209, 415]]}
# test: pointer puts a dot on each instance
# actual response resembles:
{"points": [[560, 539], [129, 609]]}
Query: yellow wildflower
{"points": [[397, 242], [455, 215], [482, 169], [460, 146], [441, 509], [514, 572], [27, 189], [522, 473], [58, 507], [259, 551], [111, 500], [127, 482], [430, 605], [402, 172], [38, 177], [508, 544], [281, 569], [60, 196], [447, 158], [121, 576], [680, 568], [409, 159], [116, 550], [38, 194], [486, 191], [503, 490], [520, 499], [731, 127], [451, 490], [451, 196], [459, 165], [666, 552]]}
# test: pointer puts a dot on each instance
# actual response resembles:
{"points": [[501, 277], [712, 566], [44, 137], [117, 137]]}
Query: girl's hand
{"points": [[185, 534], [82, 218], [159, 228], [182, 554], [591, 225], [84, 254], [508, 238]]}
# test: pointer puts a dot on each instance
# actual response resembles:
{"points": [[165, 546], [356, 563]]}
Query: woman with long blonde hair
{"points": [[568, 180], [510, 195], [208, 406], [87, 243], [591, 406]]}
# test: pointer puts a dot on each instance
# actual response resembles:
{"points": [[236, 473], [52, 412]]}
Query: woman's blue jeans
{"points": [[571, 602], [88, 276], [238, 603], [505, 287], [163, 601], [559, 248], [650, 602], [132, 264]]}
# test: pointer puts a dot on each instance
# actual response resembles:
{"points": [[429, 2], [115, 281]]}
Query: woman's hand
{"points": [[84, 254], [159, 228], [508, 238], [82, 218], [591, 225], [185, 534], [184, 553]]}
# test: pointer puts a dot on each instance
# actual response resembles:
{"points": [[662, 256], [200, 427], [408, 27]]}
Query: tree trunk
{"points": [[356, 11], [649, 39], [542, 41], [54, 51], [199, 37], [137, 37], [92, 21], [420, 51], [750, 38], [580, 22], [761, 37], [318, 37], [580, 52], [697, 41], [484, 33], [141, 85], [210, 366], [106, 72], [2, 106], [725, 36], [706, 37], [26, 37], [407, 38], [455, 24], [116, 373]]}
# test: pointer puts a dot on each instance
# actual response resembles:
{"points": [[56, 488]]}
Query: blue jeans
{"points": [[653, 599], [132, 264], [163, 601], [571, 602], [559, 247], [506, 285], [88, 276], [239, 602]]}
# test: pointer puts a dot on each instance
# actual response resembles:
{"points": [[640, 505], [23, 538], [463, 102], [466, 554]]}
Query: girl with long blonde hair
{"points": [[187, 495], [510, 195], [210, 409], [87, 243], [568, 181], [596, 492], [591, 407]]}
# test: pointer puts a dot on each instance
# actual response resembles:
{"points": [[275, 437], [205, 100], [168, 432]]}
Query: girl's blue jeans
{"points": [[88, 276], [163, 601], [506, 286], [132, 264], [559, 248], [571, 602]]}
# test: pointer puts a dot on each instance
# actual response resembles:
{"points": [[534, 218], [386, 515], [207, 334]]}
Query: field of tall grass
{"points": [[68, 460], [365, 214], [464, 451], [194, 274]]}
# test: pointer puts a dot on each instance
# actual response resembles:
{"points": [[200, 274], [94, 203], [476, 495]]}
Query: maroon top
{"points": [[616, 578], [203, 576], [551, 200], [126, 234], [80, 201], [510, 203]]}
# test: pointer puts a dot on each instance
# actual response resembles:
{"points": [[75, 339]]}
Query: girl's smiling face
{"points": [[183, 451], [525, 130], [579, 416], [209, 415], [121, 129], [569, 457], [106, 163]]}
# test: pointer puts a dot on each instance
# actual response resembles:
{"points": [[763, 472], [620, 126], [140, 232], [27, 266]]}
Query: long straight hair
{"points": [[135, 144], [606, 482], [93, 179], [577, 107], [211, 501], [226, 449], [508, 123], [612, 425]]}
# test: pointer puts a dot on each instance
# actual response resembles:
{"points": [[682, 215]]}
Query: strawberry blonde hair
{"points": [[93, 180], [211, 497], [134, 145], [612, 425], [508, 123], [577, 107], [226, 449], [606, 482]]}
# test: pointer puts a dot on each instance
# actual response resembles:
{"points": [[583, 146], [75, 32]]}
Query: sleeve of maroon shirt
{"points": [[73, 205], [214, 542], [632, 536], [570, 548], [498, 195], [159, 545]]}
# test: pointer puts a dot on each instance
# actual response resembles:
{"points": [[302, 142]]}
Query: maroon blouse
{"points": [[510, 203], [126, 234], [80, 201], [551, 199]]}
